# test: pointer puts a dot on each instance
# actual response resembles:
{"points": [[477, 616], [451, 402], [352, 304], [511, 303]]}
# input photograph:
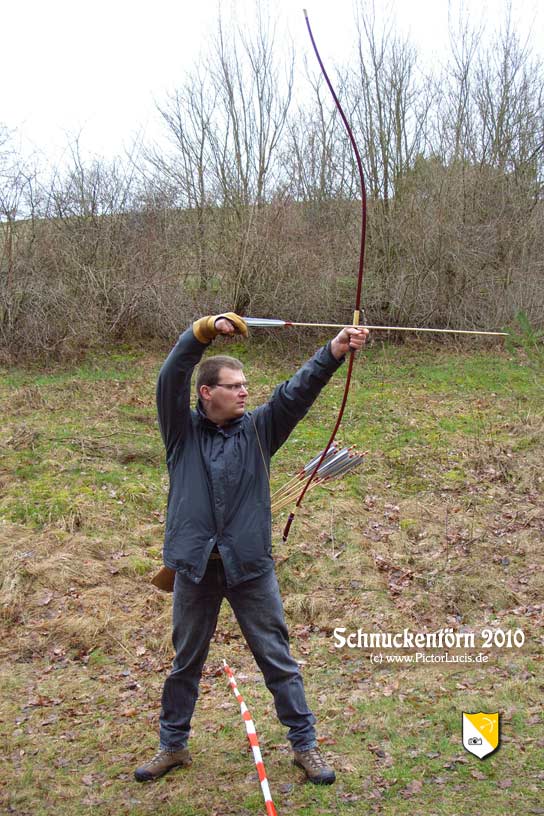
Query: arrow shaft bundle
{"points": [[336, 463]]}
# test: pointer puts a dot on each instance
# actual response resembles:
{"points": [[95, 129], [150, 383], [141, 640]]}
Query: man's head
{"points": [[221, 388]]}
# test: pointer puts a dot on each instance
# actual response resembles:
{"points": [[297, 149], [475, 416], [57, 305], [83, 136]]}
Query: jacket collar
{"points": [[226, 430]]}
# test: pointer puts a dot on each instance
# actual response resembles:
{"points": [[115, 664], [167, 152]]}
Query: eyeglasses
{"points": [[233, 386]]}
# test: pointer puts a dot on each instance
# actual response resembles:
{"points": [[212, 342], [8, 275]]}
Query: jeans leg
{"points": [[195, 609], [259, 611]]}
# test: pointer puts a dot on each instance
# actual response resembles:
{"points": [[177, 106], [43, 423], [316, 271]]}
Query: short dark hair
{"points": [[208, 371]]}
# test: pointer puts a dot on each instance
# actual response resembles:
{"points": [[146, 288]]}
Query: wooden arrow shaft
{"points": [[398, 328]]}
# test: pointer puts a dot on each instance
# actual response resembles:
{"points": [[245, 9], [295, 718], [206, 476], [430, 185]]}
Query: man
{"points": [[218, 528]]}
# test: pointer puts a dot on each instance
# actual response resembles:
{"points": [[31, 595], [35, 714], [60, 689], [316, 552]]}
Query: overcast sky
{"points": [[97, 69]]}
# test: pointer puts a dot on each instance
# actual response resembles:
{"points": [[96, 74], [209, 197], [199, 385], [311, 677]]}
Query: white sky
{"points": [[97, 69]]}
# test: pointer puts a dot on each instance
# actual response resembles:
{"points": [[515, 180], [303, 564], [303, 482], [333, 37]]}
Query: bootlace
{"points": [[315, 758], [159, 756]]}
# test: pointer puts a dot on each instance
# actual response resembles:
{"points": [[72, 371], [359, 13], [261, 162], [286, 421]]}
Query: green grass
{"points": [[442, 528]]}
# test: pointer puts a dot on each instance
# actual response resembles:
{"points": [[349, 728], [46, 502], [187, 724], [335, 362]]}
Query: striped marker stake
{"points": [[253, 741]]}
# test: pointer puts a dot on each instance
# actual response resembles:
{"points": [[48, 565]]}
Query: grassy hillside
{"points": [[443, 528]]}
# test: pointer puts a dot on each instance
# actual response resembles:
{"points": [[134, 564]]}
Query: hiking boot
{"points": [[162, 762], [315, 767]]}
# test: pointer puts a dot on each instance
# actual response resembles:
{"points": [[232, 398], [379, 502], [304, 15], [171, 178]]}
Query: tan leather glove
{"points": [[204, 329]]}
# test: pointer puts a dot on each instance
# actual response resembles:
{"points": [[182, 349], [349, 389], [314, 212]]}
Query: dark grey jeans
{"points": [[259, 612]]}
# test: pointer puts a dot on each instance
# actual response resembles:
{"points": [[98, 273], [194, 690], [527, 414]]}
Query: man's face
{"points": [[226, 400]]}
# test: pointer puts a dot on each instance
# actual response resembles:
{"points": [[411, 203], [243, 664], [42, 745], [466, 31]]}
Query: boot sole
{"points": [[324, 780]]}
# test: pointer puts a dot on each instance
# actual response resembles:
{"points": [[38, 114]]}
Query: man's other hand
{"points": [[351, 338]]}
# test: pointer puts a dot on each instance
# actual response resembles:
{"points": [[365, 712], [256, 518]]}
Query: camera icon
{"points": [[474, 740]]}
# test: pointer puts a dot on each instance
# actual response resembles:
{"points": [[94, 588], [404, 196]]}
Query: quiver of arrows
{"points": [[337, 463]]}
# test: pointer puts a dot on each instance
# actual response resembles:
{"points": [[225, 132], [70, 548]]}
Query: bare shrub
{"points": [[254, 202]]}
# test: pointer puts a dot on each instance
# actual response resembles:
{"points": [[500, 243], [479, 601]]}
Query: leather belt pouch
{"points": [[164, 579]]}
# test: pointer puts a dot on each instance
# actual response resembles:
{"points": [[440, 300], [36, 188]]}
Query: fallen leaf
{"points": [[349, 797], [375, 749], [92, 801], [412, 788]]}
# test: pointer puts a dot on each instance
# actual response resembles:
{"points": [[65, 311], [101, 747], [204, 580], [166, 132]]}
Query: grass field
{"points": [[443, 528]]}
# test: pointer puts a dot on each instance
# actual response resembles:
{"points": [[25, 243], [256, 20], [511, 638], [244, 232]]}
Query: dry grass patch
{"points": [[77, 594]]}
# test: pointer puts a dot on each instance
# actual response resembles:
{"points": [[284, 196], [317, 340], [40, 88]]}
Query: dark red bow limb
{"points": [[359, 278]]}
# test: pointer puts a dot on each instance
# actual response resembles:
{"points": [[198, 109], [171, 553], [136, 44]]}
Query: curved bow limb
{"points": [[360, 275]]}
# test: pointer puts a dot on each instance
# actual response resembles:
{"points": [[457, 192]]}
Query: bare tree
{"points": [[317, 153], [392, 103], [255, 97], [509, 98], [185, 177]]}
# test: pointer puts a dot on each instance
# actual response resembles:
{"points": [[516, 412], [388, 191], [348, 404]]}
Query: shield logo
{"points": [[481, 733]]}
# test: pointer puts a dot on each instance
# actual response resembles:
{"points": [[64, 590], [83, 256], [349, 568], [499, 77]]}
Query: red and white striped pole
{"points": [[253, 741]]}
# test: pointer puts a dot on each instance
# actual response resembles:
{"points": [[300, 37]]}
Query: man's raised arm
{"points": [[174, 382]]}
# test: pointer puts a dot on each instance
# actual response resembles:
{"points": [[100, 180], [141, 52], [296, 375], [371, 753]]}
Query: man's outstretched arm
{"points": [[292, 399]]}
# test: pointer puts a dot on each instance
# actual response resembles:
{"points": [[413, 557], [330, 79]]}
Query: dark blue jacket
{"points": [[219, 489]]}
